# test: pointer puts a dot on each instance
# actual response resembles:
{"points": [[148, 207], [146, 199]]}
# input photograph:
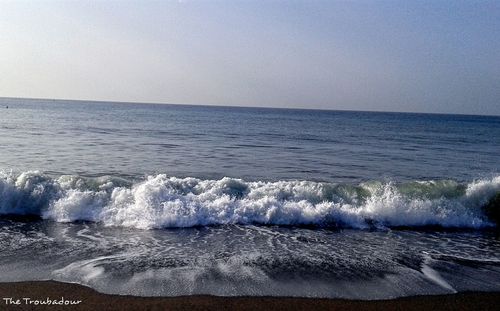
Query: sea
{"points": [[169, 200]]}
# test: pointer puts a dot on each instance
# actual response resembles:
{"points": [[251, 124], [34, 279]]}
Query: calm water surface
{"points": [[95, 139]]}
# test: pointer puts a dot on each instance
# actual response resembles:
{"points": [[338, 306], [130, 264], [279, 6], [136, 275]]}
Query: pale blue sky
{"points": [[424, 56]]}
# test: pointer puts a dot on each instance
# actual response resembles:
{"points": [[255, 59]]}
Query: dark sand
{"points": [[92, 300]]}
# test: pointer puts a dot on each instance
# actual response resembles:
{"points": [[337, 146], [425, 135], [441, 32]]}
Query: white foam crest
{"points": [[77, 205], [388, 207], [27, 193], [161, 201], [479, 192]]}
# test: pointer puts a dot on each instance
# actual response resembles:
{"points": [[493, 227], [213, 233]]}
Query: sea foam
{"points": [[162, 201]]}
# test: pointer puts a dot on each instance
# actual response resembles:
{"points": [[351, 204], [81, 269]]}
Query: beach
{"points": [[93, 300], [184, 201]]}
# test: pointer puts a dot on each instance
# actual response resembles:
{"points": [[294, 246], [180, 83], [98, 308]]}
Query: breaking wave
{"points": [[161, 201]]}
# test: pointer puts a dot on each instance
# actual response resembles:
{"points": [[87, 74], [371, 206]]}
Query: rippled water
{"points": [[176, 200], [251, 260]]}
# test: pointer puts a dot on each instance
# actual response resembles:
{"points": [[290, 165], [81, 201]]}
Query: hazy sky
{"points": [[428, 56]]}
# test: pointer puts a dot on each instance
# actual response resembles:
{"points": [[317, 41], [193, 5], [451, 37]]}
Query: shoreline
{"points": [[93, 300]]}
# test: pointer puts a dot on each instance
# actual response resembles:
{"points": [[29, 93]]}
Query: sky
{"points": [[416, 56]]}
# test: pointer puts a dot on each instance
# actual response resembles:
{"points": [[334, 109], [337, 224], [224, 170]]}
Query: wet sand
{"points": [[92, 300]]}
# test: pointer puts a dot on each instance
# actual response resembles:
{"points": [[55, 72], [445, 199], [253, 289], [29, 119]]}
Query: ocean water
{"points": [[148, 200]]}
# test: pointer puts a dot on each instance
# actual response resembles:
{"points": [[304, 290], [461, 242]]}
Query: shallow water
{"points": [[251, 260]]}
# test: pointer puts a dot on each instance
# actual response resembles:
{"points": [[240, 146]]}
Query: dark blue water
{"points": [[175, 200], [95, 139]]}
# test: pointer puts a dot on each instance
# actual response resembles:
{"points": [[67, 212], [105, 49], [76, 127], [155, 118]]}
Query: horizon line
{"points": [[234, 106]]}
